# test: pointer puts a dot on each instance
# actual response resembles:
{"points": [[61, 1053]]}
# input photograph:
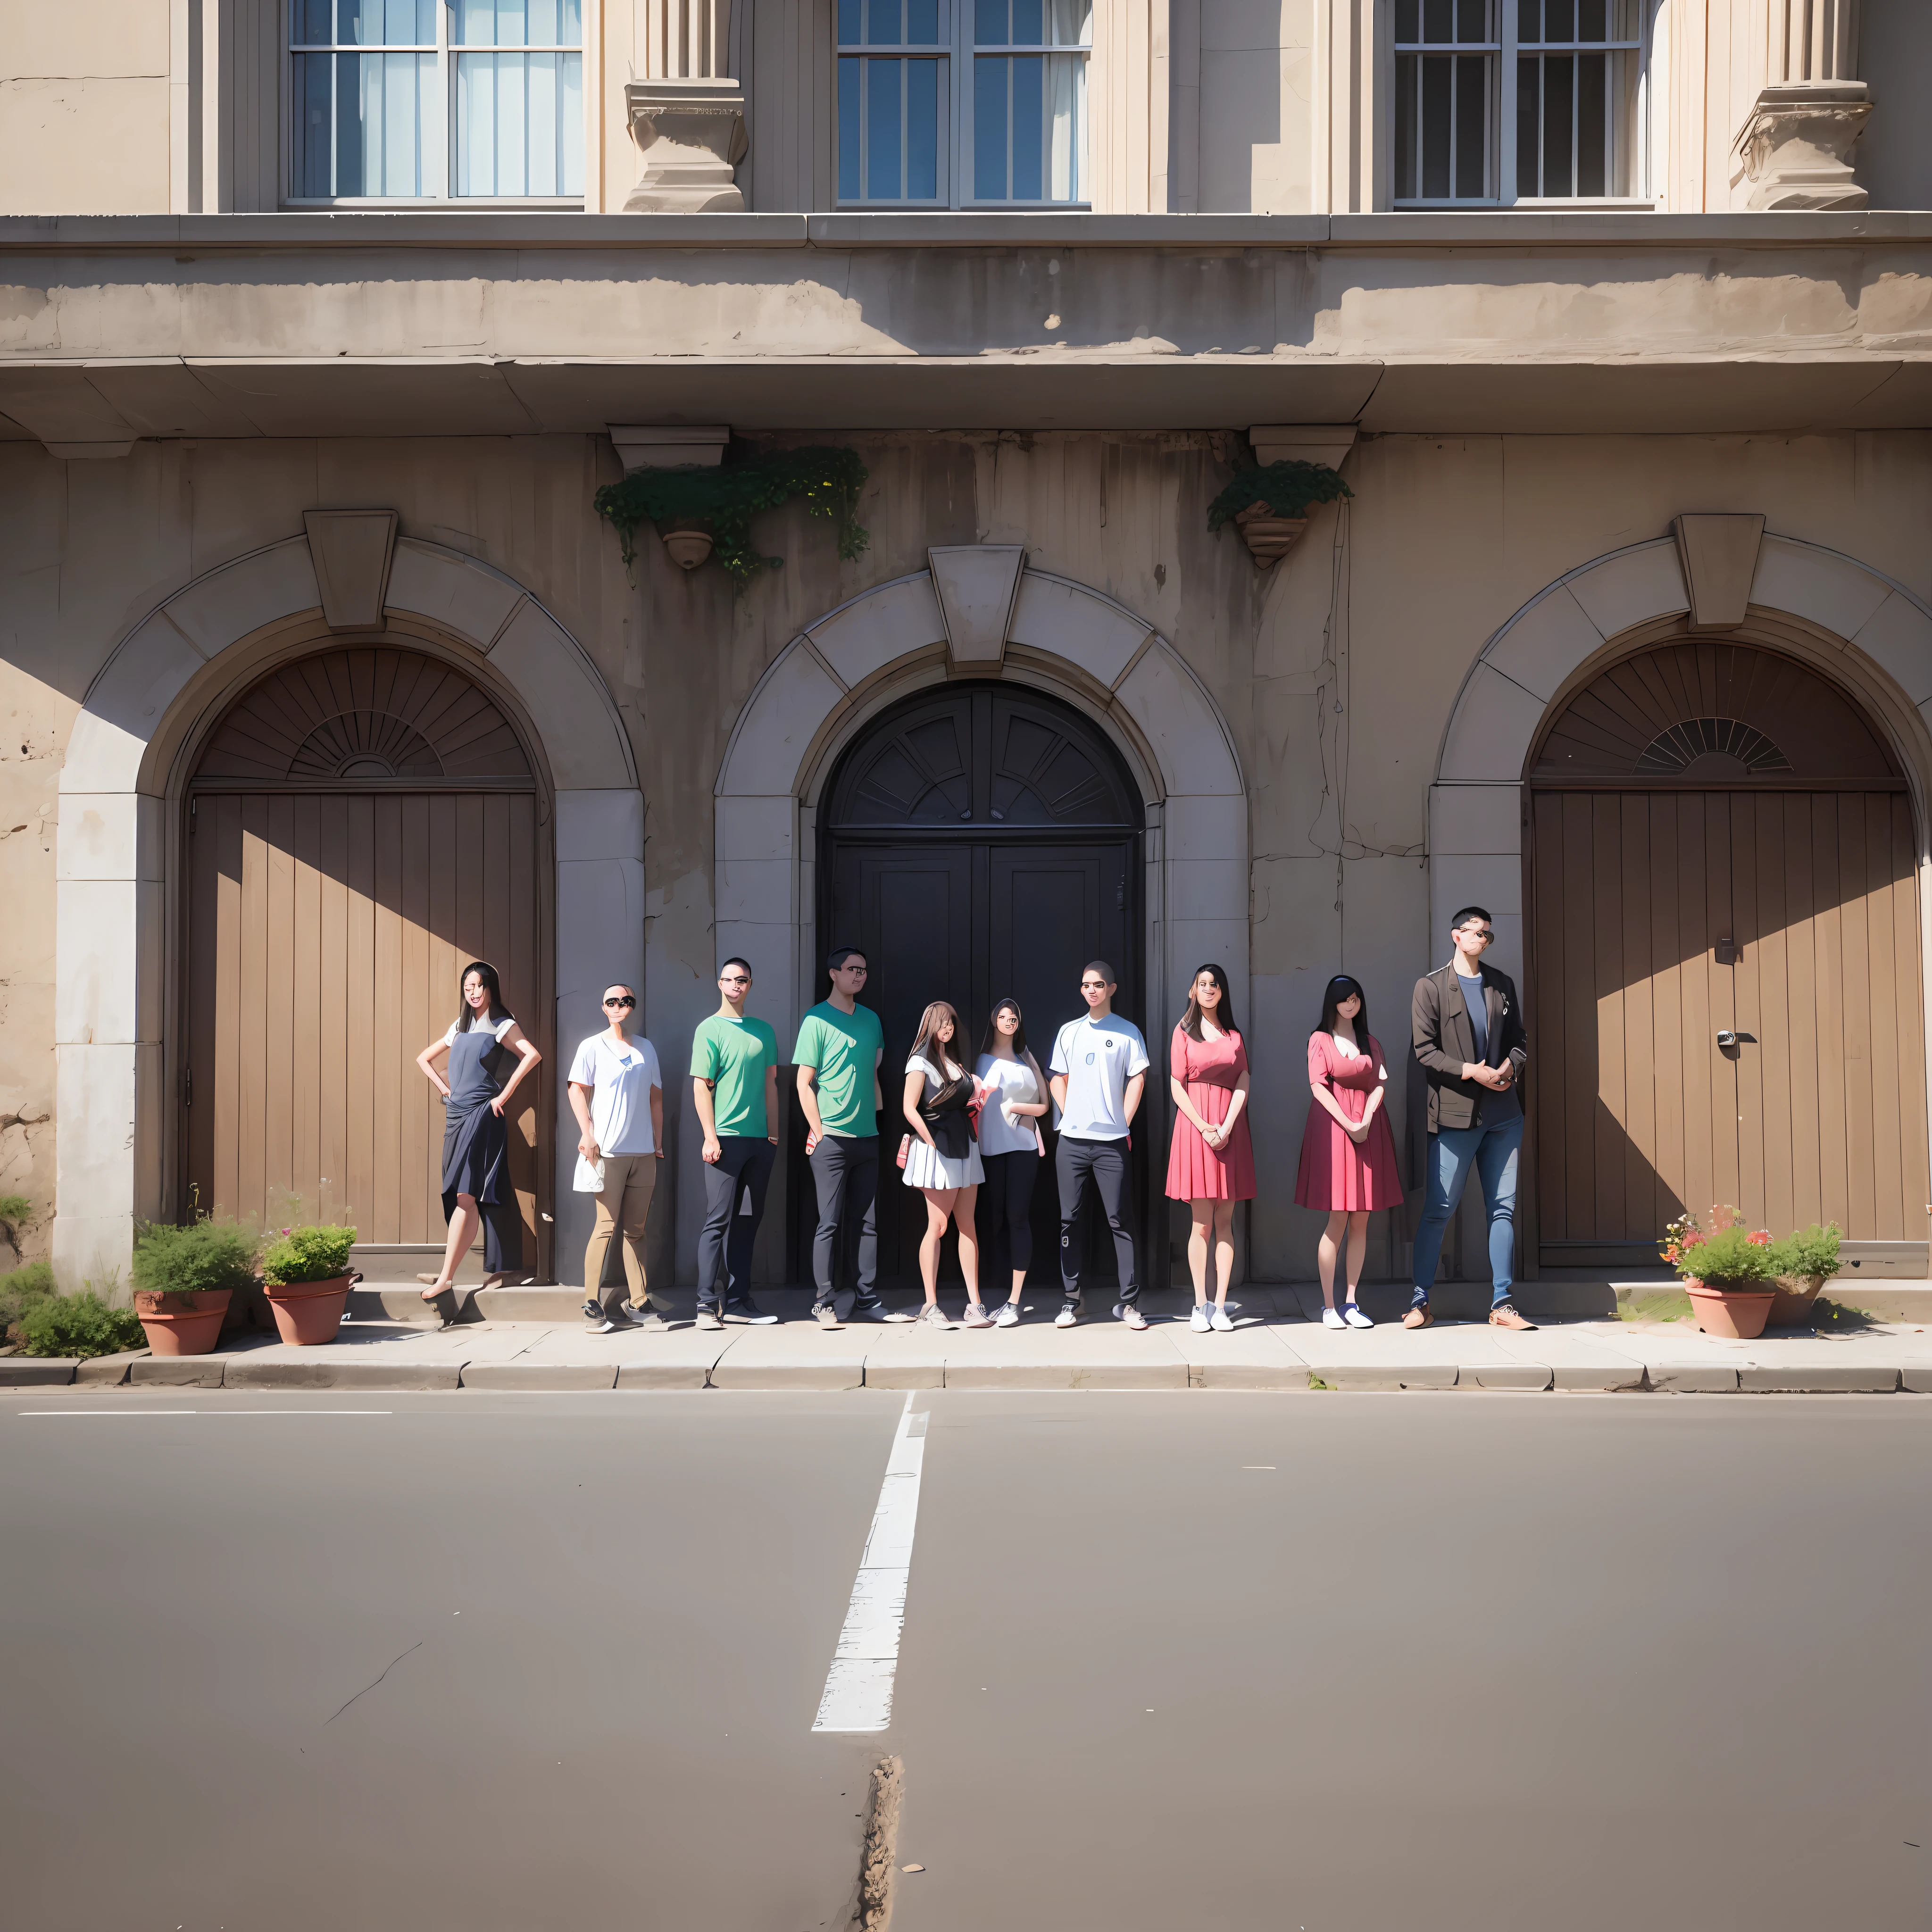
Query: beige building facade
{"points": [[321, 326]]}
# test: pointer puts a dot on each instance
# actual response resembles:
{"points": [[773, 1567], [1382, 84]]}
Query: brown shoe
{"points": [[1505, 1315], [1419, 1317]]}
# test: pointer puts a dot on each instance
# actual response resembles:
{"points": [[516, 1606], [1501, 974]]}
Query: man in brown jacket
{"points": [[1465, 1022]]}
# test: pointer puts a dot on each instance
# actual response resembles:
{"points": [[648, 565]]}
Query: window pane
{"points": [[1405, 126], [1407, 20], [884, 85], [1472, 20], [989, 22], [1066, 127], [1028, 23], [1070, 23], [1592, 123], [1438, 19], [848, 23], [1594, 25], [1528, 122], [371, 23], [883, 19], [922, 23], [1560, 18], [989, 128], [379, 111], [1435, 128], [516, 23], [849, 187], [1472, 127], [1559, 78], [922, 130], [312, 125], [1029, 129], [1529, 20], [520, 124]]}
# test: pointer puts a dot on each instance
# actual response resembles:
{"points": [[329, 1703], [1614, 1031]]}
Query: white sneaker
{"points": [[1126, 1311], [1069, 1313], [1355, 1317], [1223, 1321], [1008, 1316], [1331, 1318], [1198, 1320], [934, 1316]]}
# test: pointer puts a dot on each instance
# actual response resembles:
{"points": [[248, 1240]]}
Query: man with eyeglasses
{"points": [[1096, 1075], [1465, 1023], [734, 1086], [840, 1045]]}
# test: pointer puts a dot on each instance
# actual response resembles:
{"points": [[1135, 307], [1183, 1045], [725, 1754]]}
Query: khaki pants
{"points": [[624, 1206]]}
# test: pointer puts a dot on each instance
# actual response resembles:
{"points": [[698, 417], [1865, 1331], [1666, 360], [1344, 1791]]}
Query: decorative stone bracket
{"points": [[1793, 145], [691, 135]]}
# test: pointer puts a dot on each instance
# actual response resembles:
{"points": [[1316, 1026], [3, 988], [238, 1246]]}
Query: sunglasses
{"points": [[625, 1001]]}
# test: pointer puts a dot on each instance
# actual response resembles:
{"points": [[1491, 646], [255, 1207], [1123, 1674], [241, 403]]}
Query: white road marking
{"points": [[859, 1686], [204, 1411]]}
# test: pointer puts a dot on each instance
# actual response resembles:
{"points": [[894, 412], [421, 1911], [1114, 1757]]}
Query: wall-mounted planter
{"points": [[688, 545], [1270, 537]]}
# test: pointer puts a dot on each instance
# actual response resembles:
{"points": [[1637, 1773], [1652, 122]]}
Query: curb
{"points": [[37, 1371], [556, 1379]]}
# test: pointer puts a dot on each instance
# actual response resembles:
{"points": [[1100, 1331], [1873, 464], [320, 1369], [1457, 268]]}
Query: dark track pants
{"points": [[1006, 1201], [845, 1171], [1101, 1166], [725, 1241]]}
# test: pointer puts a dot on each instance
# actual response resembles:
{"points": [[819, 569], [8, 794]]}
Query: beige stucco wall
{"points": [[1446, 538], [84, 107]]}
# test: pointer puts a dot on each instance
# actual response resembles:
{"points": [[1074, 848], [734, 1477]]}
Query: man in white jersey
{"points": [[1099, 1067]]}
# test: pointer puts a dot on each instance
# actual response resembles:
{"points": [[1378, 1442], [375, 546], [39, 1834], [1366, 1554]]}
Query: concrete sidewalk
{"points": [[1274, 1346]]}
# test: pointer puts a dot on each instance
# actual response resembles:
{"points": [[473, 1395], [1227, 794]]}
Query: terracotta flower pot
{"points": [[688, 545], [1269, 537], [182, 1325], [1791, 1306], [1738, 1314], [308, 1313]]}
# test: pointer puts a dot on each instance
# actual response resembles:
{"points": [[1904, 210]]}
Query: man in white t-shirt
{"points": [[1099, 1067], [616, 1093]]}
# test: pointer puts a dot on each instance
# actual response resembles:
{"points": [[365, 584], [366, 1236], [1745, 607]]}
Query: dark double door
{"points": [[979, 909]]}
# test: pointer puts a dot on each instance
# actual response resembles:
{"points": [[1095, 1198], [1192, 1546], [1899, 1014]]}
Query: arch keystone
{"points": [[1719, 554], [351, 550], [977, 586]]}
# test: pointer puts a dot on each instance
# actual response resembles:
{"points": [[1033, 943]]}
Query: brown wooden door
{"points": [[325, 933], [1786, 917]]}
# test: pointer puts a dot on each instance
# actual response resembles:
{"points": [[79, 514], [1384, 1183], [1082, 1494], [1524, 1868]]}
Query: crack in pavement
{"points": [[386, 1669]]}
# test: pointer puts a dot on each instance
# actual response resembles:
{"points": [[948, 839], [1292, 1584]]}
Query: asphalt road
{"points": [[1325, 1661]]}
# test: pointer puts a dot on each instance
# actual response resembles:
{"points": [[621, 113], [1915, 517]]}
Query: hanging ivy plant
{"points": [[723, 501], [1288, 489]]}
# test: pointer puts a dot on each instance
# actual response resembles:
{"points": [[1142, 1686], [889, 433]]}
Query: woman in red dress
{"points": [[1212, 1164], [1348, 1153]]}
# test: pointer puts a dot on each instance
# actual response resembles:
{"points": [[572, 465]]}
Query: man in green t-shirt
{"points": [[734, 1085], [840, 1045]]}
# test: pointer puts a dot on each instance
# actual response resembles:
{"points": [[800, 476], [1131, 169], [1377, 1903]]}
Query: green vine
{"points": [[723, 501], [1288, 489]]}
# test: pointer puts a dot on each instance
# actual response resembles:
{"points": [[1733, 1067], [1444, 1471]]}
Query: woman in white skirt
{"points": [[943, 1158]]}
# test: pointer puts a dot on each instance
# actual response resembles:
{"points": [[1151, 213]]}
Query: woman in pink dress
{"points": [[1212, 1164], [1348, 1153]]}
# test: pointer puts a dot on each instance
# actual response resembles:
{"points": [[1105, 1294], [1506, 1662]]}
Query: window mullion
{"points": [[1506, 106]]}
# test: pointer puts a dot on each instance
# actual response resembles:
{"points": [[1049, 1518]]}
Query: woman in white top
{"points": [[617, 1095], [942, 1161], [1009, 1145], [476, 1184]]}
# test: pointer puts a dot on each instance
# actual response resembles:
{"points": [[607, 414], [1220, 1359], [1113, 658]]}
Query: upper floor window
{"points": [[1502, 101], [437, 100], [953, 103]]}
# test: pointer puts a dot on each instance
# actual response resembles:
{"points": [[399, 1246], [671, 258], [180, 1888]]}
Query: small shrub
{"points": [[1810, 1251], [79, 1324], [307, 1254], [21, 1289], [206, 1254], [15, 1208], [1288, 489]]}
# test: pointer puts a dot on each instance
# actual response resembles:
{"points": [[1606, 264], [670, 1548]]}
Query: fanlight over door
{"points": [[362, 823], [1726, 1003]]}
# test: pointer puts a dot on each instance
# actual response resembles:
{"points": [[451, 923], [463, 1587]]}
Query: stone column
{"points": [[1793, 146], [686, 115]]}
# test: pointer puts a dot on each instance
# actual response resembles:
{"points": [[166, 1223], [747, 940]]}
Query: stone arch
{"points": [[979, 611], [1864, 628], [159, 690]]}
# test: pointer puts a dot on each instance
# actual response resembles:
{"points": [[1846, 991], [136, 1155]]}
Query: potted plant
{"points": [[183, 1279], [306, 1278], [1270, 506], [1726, 1271], [1801, 1263]]}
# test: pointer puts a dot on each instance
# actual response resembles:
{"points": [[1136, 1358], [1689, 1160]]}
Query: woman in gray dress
{"points": [[481, 1046]]}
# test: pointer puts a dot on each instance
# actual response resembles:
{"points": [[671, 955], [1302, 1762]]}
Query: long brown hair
{"points": [[929, 1022], [1224, 1014], [992, 1032]]}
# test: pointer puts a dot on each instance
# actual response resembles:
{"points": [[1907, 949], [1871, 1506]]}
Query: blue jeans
{"points": [[1492, 1152]]}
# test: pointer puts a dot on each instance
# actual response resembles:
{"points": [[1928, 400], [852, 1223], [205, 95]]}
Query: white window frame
{"points": [[446, 50], [955, 51], [1503, 48]]}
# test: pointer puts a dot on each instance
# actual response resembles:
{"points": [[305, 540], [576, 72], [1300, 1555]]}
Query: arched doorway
{"points": [[360, 822], [1724, 959], [978, 840]]}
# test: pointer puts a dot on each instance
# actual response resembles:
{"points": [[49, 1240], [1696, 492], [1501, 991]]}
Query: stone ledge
{"points": [[36, 1371], [262, 1371], [554, 1377], [1816, 1378], [1691, 1377]]}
